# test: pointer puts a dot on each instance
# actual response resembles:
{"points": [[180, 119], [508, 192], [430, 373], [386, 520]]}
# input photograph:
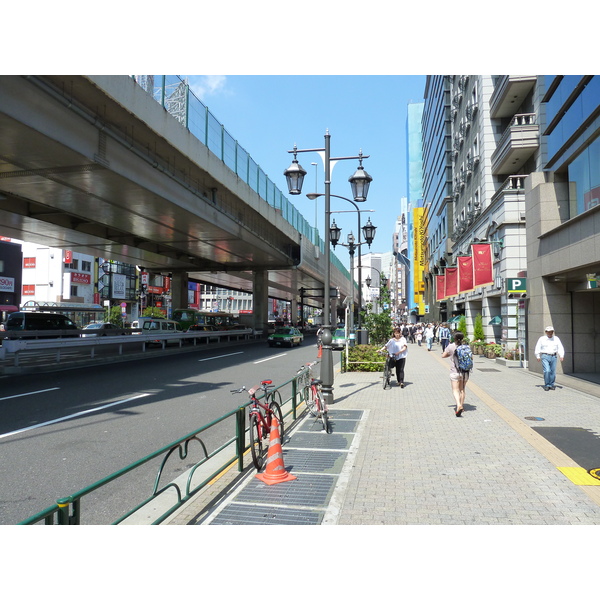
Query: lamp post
{"points": [[369, 235], [360, 186], [382, 281]]}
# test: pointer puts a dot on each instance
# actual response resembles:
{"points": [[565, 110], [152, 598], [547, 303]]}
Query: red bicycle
{"points": [[315, 402], [260, 416]]}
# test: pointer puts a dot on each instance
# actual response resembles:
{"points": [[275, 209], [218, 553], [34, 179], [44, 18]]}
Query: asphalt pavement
{"points": [[518, 455]]}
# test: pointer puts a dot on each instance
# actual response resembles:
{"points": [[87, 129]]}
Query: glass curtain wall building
{"points": [[437, 186], [415, 299], [563, 224]]}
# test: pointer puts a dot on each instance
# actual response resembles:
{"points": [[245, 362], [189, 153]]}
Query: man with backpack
{"points": [[461, 364]]}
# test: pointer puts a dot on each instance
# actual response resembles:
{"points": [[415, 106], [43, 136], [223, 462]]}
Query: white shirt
{"points": [[429, 332], [394, 347], [549, 345]]}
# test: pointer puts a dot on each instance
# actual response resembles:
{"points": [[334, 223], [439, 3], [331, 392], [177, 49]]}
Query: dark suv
{"points": [[39, 321]]}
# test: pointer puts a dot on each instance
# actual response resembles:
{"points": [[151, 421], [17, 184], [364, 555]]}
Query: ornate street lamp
{"points": [[360, 186]]}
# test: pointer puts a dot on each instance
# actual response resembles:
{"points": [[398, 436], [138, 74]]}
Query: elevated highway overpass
{"points": [[95, 164]]}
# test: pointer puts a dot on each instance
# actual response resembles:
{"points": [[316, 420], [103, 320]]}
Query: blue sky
{"points": [[268, 114]]}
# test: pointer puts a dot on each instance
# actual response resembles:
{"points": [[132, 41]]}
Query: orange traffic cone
{"points": [[320, 352], [275, 471]]}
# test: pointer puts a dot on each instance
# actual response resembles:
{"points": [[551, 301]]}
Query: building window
{"points": [[584, 180], [86, 265], [74, 291]]}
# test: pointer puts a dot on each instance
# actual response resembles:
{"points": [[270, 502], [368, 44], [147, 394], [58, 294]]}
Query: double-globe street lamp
{"points": [[360, 186], [368, 231], [382, 282]]}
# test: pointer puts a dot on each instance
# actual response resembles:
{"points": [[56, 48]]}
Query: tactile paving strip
{"points": [[243, 514]]}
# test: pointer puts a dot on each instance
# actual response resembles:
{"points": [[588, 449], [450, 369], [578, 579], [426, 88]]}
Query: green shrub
{"points": [[363, 358], [478, 333]]}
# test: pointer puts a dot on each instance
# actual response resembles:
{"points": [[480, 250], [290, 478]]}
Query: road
{"points": [[61, 432]]}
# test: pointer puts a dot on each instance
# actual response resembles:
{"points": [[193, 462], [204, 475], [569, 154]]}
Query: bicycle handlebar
{"points": [[238, 391]]}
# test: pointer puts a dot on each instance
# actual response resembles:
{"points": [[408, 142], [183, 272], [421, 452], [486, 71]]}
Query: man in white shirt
{"points": [[548, 347]]}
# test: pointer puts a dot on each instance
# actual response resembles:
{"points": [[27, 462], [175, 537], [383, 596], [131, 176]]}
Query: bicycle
{"points": [[387, 369], [260, 416], [315, 402]]}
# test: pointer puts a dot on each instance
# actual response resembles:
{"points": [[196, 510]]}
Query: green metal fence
{"points": [[175, 96], [69, 510]]}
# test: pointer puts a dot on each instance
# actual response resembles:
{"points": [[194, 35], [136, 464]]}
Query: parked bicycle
{"points": [[315, 402], [388, 367], [260, 416]]}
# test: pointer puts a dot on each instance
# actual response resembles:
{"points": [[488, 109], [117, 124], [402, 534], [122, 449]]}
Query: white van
{"points": [[162, 326]]}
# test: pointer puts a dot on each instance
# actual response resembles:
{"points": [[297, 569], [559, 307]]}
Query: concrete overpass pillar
{"points": [[179, 290], [294, 315], [260, 300]]}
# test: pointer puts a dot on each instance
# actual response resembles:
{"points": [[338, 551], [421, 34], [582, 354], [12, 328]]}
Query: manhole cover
{"points": [[595, 473], [535, 419]]}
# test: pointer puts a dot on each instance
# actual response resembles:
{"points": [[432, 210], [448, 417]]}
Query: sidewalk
{"points": [[518, 455]]}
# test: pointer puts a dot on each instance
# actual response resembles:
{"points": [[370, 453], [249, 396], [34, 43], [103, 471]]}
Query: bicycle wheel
{"points": [[274, 406], [256, 445], [312, 401], [323, 411], [386, 374]]}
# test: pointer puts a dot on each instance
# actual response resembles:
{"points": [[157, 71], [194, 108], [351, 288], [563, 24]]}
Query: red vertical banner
{"points": [[465, 273], [440, 287], [451, 281], [482, 264], [68, 257]]}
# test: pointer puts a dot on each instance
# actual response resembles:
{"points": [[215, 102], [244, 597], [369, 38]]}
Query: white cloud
{"points": [[205, 85]]}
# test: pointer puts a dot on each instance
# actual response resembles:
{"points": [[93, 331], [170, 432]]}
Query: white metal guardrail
{"points": [[14, 348]]}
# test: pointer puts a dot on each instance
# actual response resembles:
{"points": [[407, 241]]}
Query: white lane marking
{"points": [[83, 412], [270, 358], [222, 356], [29, 393]]}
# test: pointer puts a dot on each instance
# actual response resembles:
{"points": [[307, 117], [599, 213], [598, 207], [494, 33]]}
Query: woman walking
{"points": [[397, 348], [458, 376]]}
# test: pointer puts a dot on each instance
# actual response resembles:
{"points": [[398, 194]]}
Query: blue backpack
{"points": [[463, 358]]}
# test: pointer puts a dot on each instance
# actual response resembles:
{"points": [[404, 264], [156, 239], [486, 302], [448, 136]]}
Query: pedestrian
{"points": [[548, 347], [397, 349], [444, 334], [429, 335], [459, 369], [419, 334], [411, 334]]}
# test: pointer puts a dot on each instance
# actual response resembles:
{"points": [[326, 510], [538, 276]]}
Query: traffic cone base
{"points": [[275, 471]]}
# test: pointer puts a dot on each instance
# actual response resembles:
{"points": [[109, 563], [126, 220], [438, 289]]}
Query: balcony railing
{"points": [[518, 142]]}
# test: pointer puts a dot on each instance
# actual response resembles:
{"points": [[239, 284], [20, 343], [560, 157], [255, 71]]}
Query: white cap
{"points": [[549, 328]]}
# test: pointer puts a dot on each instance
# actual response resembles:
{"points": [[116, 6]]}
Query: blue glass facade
{"points": [[573, 146], [414, 169]]}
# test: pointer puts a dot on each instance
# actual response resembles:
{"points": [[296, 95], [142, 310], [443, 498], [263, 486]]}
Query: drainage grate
{"points": [[242, 514], [308, 490], [334, 426], [345, 414], [489, 370], [332, 441], [313, 461]]}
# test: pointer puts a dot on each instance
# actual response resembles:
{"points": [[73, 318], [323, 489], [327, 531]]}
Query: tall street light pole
{"points": [[360, 186], [368, 232]]}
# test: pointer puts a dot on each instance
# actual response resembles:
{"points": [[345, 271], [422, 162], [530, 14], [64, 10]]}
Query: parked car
{"points": [[101, 329], [40, 321], [285, 336], [338, 339]]}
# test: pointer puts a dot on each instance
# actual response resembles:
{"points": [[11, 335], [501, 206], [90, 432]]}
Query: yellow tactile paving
{"points": [[578, 475]]}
